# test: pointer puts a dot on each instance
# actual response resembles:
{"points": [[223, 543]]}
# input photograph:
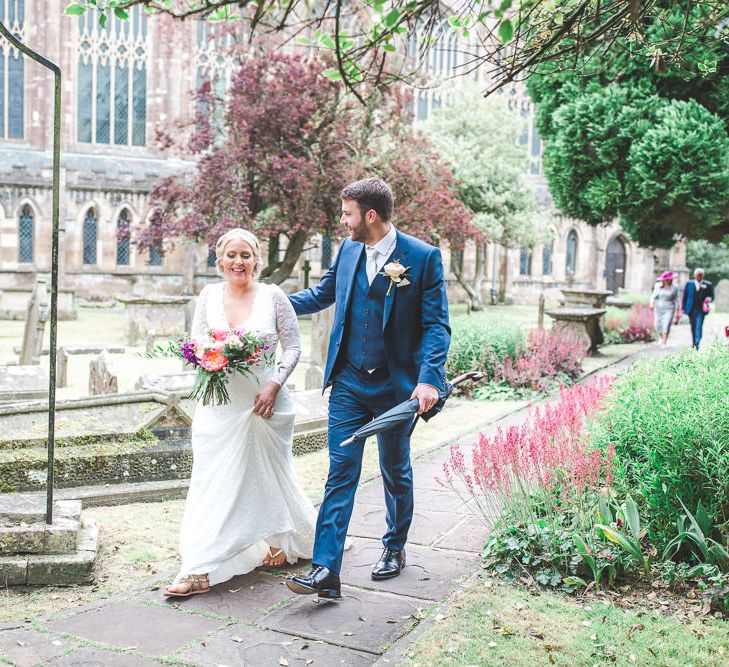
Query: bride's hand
{"points": [[263, 403]]}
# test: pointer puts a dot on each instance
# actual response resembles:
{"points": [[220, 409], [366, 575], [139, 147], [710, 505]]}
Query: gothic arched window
{"points": [[112, 79], [525, 262], [156, 256], [90, 230], [211, 258], [547, 251], [571, 256], [12, 73], [26, 233], [123, 233]]}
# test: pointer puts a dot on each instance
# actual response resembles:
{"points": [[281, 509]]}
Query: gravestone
{"points": [[102, 378], [181, 384], [189, 265], [35, 323], [149, 346], [190, 314], [721, 296], [20, 383], [314, 378], [321, 327], [165, 314]]}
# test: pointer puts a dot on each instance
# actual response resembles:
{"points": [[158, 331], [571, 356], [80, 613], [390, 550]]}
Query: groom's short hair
{"points": [[371, 194]]}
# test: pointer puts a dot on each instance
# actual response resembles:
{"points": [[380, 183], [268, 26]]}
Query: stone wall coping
{"points": [[576, 314], [586, 292], [93, 402], [154, 300]]}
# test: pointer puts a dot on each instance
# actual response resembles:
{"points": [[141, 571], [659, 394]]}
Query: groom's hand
{"points": [[427, 395]]}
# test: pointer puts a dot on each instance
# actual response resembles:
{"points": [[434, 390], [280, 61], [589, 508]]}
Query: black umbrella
{"points": [[407, 411]]}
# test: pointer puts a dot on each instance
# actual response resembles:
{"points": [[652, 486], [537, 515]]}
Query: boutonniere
{"points": [[397, 273]]}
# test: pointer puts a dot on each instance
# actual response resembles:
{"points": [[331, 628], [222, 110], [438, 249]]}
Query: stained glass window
{"points": [[547, 251], [122, 238], [26, 224], [571, 259], [112, 79], [12, 73], [156, 256], [90, 234], [525, 262]]}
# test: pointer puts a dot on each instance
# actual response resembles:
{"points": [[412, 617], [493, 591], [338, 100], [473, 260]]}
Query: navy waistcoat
{"points": [[364, 345]]}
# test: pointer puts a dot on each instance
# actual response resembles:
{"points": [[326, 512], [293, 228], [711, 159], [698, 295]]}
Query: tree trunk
{"points": [[277, 272], [478, 277], [474, 298], [504, 274]]}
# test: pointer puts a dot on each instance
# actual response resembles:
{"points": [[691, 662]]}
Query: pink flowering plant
{"points": [[544, 491], [217, 356]]}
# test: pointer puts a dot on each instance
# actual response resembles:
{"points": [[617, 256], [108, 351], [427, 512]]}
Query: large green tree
{"points": [[478, 139], [369, 38], [628, 137]]}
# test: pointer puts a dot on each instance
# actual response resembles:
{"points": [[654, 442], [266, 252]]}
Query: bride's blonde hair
{"points": [[238, 234]]}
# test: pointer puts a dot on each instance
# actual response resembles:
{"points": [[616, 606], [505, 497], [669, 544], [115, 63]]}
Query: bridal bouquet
{"points": [[216, 357]]}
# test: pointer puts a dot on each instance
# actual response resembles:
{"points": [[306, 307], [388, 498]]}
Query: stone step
{"points": [[55, 569], [31, 508], [39, 538]]}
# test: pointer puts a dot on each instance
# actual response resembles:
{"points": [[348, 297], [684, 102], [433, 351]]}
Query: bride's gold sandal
{"points": [[274, 558], [194, 584]]}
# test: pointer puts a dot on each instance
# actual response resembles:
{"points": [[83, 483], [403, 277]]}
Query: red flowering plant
{"points": [[543, 489], [640, 325], [549, 356], [217, 356]]}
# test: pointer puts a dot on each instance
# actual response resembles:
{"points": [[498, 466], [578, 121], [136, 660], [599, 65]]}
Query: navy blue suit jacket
{"points": [[415, 325], [691, 299]]}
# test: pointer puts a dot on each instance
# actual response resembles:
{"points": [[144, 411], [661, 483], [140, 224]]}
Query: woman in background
{"points": [[664, 302]]}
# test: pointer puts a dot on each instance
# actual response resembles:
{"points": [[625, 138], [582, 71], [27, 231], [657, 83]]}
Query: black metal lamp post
{"points": [[54, 255]]}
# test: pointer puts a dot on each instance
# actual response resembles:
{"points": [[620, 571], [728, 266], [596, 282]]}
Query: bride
{"points": [[244, 507]]}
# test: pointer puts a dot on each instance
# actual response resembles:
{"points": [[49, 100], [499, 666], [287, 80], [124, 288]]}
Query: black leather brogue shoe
{"points": [[320, 581], [390, 564]]}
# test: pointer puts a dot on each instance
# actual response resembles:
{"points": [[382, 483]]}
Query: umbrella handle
{"points": [[474, 376]]}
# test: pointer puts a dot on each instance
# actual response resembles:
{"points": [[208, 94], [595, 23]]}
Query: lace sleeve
{"points": [[287, 329], [200, 318]]}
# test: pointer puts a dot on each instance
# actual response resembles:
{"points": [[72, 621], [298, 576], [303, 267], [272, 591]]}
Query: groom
{"points": [[388, 343]]}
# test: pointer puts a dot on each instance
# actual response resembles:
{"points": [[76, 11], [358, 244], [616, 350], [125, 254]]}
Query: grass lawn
{"points": [[499, 624]]}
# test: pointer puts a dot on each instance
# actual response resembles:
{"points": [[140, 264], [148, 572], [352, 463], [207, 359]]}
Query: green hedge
{"points": [[480, 342], [669, 422]]}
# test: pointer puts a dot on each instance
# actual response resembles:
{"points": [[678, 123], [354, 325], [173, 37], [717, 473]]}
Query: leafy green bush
{"points": [[669, 423], [481, 343]]}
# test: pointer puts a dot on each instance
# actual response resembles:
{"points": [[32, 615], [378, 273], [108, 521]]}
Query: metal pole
{"points": [[54, 255]]}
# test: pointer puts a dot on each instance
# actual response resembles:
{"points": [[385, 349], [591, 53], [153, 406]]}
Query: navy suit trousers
{"points": [[356, 399], [696, 317]]}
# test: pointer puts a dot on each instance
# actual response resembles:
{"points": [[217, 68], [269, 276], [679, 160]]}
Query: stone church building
{"points": [[123, 83]]}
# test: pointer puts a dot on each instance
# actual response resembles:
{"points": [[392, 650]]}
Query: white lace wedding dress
{"points": [[244, 495]]}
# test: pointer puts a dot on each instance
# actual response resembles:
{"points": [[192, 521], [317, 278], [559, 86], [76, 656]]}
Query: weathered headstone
{"points": [[35, 323], [540, 321], [189, 265], [151, 336], [21, 383], [164, 314], [190, 314], [181, 384], [102, 378], [721, 296], [314, 377], [321, 327]]}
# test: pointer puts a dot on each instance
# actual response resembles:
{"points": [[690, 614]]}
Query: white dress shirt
{"points": [[378, 253]]}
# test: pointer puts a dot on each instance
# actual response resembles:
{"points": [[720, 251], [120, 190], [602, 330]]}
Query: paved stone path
{"points": [[255, 620]]}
